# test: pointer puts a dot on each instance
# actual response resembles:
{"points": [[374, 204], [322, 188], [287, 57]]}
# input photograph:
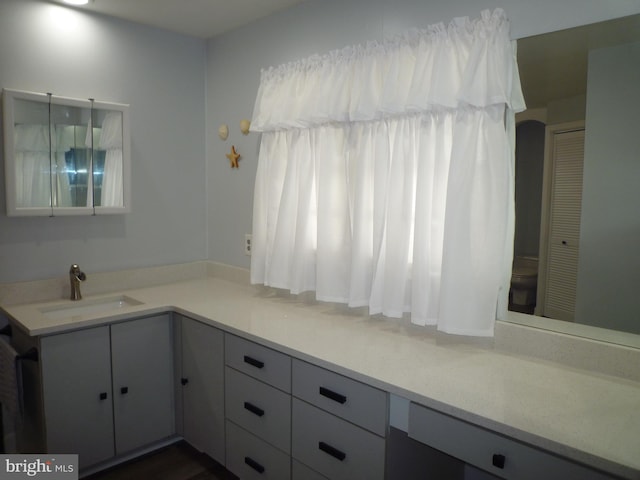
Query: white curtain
{"points": [[41, 174], [385, 175], [108, 138], [111, 141], [33, 166]]}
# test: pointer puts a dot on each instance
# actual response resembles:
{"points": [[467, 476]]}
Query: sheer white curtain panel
{"points": [[385, 175], [41, 172], [111, 141], [33, 166]]}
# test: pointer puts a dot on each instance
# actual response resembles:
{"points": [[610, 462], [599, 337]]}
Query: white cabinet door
{"points": [[142, 363], [203, 387], [76, 377]]}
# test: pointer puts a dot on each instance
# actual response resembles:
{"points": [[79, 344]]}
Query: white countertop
{"points": [[590, 418]]}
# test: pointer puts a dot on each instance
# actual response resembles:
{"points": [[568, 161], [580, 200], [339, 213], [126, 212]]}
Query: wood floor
{"points": [[175, 462]]}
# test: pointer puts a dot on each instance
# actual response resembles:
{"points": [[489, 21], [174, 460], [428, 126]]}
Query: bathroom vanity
{"points": [[273, 387], [108, 390]]}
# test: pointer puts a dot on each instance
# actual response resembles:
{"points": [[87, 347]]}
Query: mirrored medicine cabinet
{"points": [[65, 156]]}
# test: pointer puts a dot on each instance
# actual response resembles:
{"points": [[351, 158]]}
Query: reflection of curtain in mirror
{"points": [[33, 188], [65, 140], [111, 142], [33, 169]]}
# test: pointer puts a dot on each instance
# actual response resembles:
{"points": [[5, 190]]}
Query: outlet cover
{"points": [[247, 244]]}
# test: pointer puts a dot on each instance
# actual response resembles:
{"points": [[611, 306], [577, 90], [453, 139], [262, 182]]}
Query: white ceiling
{"points": [[198, 18]]}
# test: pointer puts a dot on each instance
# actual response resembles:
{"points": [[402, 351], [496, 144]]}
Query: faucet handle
{"points": [[75, 271]]}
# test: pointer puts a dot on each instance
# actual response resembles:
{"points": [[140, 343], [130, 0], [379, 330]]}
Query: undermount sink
{"points": [[89, 307]]}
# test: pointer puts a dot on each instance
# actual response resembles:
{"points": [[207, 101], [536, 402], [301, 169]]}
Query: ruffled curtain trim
{"points": [[467, 63]]}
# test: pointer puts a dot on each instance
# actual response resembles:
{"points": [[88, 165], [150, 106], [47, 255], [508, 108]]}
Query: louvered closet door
{"points": [[566, 202]]}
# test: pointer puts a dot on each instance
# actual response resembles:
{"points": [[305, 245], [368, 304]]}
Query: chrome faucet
{"points": [[75, 277]]}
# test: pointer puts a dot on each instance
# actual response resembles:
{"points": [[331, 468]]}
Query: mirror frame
{"points": [[8, 98]]}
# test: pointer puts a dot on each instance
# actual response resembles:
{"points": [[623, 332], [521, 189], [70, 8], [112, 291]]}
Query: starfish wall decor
{"points": [[233, 157]]}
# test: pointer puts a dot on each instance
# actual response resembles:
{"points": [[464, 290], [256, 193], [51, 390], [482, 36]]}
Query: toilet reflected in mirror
{"points": [[524, 284]]}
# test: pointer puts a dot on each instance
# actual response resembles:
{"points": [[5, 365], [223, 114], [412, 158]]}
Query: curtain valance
{"points": [[466, 63]]}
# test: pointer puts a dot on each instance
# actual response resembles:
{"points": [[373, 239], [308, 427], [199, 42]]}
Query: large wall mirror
{"points": [[65, 156], [577, 242]]}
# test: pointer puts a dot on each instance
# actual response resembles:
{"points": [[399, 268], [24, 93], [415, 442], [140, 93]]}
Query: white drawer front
{"points": [[251, 458], [260, 362], [299, 471], [491, 451], [356, 402], [335, 448], [263, 410]]}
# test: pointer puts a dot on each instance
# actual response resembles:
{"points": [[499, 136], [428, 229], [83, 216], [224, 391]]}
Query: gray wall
{"points": [[234, 61], [529, 173], [609, 265], [48, 48]]}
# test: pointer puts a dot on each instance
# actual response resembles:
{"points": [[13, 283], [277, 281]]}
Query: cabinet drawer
{"points": [[260, 362], [333, 447], [263, 410], [251, 458], [299, 471], [356, 402], [488, 450]]}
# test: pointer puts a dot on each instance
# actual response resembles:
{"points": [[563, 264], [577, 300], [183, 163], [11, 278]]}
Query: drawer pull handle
{"points": [[253, 464], [334, 452], [336, 397], [103, 395], [253, 362], [253, 409], [184, 381], [498, 460], [124, 390]]}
